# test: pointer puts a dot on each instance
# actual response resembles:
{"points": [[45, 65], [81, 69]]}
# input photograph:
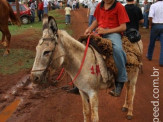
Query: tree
{"points": [[17, 9]]}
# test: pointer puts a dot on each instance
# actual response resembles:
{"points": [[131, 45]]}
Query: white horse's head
{"points": [[47, 51]]}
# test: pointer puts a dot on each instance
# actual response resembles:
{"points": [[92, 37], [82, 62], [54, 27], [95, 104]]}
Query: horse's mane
{"points": [[70, 41]]}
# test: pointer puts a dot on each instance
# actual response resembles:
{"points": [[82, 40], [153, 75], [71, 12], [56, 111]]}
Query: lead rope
{"points": [[85, 52]]}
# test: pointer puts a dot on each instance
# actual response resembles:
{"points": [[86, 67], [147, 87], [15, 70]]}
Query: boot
{"points": [[74, 90], [118, 89]]}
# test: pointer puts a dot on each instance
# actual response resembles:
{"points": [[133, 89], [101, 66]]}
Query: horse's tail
{"points": [[14, 18]]}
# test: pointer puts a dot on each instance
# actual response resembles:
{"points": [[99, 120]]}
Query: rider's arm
{"points": [[90, 29], [118, 29]]}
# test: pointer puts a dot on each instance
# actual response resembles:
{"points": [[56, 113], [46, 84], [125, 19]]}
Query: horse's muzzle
{"points": [[34, 78]]}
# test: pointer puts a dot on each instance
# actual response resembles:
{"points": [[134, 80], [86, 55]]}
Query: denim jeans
{"points": [[45, 10], [40, 14], [118, 55], [33, 15], [146, 22], [68, 17], [91, 19], [156, 32]]}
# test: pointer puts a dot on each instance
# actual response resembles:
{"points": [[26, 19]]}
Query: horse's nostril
{"points": [[36, 78]]}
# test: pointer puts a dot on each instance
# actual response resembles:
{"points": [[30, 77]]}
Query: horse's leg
{"points": [[3, 38], [131, 94], [125, 106], [93, 97], [86, 110], [8, 36]]}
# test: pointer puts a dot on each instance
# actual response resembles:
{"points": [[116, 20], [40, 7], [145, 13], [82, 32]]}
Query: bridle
{"points": [[44, 70], [70, 83]]}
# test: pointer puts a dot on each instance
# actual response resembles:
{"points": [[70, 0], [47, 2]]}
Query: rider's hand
{"points": [[87, 31], [101, 31]]}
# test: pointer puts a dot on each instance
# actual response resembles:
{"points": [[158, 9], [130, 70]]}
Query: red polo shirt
{"points": [[112, 17], [40, 6]]}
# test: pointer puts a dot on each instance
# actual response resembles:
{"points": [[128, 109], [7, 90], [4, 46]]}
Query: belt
{"points": [[157, 23]]}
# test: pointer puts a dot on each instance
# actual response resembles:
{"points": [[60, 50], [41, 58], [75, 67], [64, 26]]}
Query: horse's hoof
{"points": [[129, 117], [6, 53], [124, 109], [4, 44]]}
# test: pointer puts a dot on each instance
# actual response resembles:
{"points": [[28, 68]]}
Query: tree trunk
{"points": [[17, 8], [37, 6]]}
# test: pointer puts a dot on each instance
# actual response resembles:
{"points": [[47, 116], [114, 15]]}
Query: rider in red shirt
{"points": [[111, 18]]}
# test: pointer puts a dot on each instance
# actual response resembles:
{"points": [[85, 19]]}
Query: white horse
{"points": [[57, 49]]}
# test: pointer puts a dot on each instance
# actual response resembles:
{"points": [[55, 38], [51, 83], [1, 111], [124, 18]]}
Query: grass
{"points": [[20, 59], [17, 60], [14, 30]]}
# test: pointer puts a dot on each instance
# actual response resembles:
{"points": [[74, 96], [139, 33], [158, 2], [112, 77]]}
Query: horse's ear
{"points": [[52, 24], [45, 22]]}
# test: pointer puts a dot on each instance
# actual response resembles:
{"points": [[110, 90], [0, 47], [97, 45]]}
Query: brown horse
{"points": [[57, 49], [6, 13]]}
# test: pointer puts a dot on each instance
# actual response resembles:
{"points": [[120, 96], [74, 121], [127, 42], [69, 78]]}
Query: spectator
{"points": [[45, 2], [111, 18], [29, 3], [91, 8], [69, 3], [40, 10], [74, 5], [156, 26], [67, 14], [146, 12], [77, 4], [56, 3], [135, 15], [33, 11]]}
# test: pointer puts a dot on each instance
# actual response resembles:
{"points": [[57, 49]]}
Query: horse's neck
{"points": [[74, 51]]}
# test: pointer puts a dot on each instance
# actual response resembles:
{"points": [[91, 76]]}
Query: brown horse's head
{"points": [[45, 50]]}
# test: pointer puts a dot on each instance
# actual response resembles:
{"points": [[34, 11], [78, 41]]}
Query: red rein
{"points": [[85, 53]]}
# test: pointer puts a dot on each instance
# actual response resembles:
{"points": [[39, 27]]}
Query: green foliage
{"points": [[16, 61]]}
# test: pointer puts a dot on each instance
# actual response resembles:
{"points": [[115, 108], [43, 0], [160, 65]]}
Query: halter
{"points": [[70, 83], [50, 59]]}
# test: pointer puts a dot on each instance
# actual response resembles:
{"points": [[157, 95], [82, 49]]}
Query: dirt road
{"points": [[54, 105]]}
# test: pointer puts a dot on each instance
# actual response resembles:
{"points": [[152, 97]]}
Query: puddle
{"points": [[8, 111]]}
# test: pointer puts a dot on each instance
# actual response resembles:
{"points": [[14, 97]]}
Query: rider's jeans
{"points": [[118, 55]]}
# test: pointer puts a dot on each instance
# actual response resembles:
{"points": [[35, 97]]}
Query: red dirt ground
{"points": [[53, 104]]}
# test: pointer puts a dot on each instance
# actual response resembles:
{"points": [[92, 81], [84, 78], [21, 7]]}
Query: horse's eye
{"points": [[46, 53]]}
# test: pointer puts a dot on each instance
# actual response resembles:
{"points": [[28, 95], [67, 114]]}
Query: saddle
{"points": [[104, 47]]}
